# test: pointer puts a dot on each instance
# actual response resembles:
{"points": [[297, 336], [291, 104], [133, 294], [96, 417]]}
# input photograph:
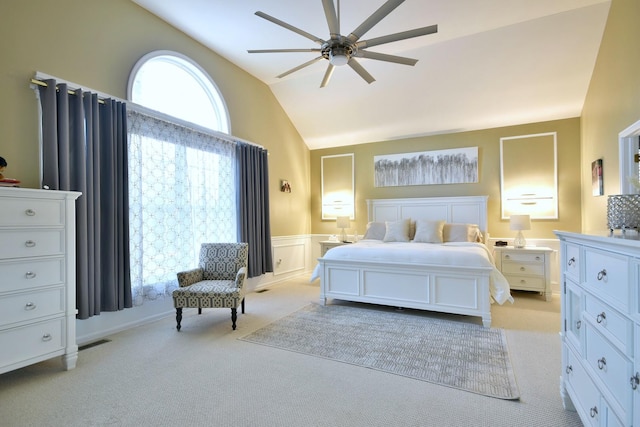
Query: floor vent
{"points": [[93, 344], [261, 291]]}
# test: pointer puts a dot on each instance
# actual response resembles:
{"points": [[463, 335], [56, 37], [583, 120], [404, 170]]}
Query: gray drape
{"points": [[253, 202], [85, 149]]}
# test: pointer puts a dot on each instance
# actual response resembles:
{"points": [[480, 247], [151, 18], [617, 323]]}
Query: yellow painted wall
{"points": [[612, 104], [95, 43], [488, 143]]}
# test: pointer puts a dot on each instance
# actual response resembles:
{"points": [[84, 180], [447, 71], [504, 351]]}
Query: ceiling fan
{"points": [[340, 50]]}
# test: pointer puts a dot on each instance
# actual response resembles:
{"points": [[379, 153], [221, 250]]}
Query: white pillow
{"points": [[429, 231], [456, 232], [375, 231], [397, 231]]}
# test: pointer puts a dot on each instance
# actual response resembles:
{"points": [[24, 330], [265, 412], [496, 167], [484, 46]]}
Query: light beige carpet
{"points": [[461, 355]]}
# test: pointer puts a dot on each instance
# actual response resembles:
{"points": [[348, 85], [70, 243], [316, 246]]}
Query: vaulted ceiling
{"points": [[492, 63]]}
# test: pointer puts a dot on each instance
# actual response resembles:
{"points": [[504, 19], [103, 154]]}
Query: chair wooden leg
{"points": [[242, 305], [199, 310], [178, 317], [234, 317]]}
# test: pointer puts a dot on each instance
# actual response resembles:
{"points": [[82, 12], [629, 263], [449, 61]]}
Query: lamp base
{"points": [[343, 236], [519, 241]]}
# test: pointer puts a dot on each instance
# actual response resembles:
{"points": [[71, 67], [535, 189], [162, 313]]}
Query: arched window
{"points": [[175, 85], [182, 189]]}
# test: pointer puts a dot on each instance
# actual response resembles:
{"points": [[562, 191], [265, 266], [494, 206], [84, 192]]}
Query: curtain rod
{"points": [[159, 115], [69, 91]]}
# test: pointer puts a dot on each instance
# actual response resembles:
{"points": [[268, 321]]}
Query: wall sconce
{"points": [[519, 223], [343, 222]]}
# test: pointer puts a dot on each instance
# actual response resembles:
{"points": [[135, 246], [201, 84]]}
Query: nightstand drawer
{"points": [[526, 283], [523, 269], [528, 257]]}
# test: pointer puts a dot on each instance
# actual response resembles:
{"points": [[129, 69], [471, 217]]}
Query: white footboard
{"points": [[457, 290]]}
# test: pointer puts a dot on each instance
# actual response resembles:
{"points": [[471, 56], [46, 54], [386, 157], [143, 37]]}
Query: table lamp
{"points": [[519, 223], [343, 222]]}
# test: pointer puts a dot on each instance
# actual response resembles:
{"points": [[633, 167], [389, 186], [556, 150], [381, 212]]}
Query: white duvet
{"points": [[451, 253]]}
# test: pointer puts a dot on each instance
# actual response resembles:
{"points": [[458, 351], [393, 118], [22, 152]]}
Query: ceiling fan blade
{"points": [[355, 65], [384, 57], [282, 50], [376, 17], [327, 75], [397, 36], [299, 67], [332, 18], [290, 27]]}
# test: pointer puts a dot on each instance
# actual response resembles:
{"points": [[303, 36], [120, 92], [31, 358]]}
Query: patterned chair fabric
{"points": [[217, 282]]}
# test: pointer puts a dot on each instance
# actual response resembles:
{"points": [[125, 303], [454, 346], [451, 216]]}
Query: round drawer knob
{"points": [[593, 411], [29, 306], [569, 369], [601, 317], [46, 337], [30, 275], [522, 268], [30, 212], [571, 261], [30, 243]]}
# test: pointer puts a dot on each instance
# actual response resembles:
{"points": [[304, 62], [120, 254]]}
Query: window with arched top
{"points": [[175, 85], [182, 189]]}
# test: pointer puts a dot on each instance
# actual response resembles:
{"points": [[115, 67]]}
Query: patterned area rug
{"points": [[455, 354]]}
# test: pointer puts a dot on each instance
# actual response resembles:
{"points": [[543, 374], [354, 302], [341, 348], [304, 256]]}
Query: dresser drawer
{"points": [[613, 368], [31, 243], [25, 306], [609, 322], [584, 394], [19, 212], [31, 273], [572, 262], [607, 274], [523, 269], [526, 283], [32, 341]]}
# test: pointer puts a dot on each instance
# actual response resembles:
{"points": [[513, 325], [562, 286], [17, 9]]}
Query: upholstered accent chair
{"points": [[217, 282]]}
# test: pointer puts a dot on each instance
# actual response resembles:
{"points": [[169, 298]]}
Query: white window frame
{"points": [[628, 148], [198, 73]]}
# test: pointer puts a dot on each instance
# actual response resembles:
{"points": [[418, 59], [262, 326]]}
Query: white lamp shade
{"points": [[343, 222], [519, 222]]}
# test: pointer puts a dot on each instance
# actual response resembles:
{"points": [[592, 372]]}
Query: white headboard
{"points": [[463, 209]]}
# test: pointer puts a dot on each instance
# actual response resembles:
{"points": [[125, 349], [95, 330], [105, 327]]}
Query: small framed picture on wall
{"points": [[596, 178]]}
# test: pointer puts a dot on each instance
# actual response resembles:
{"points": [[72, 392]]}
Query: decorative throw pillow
{"points": [[397, 231], [375, 231], [429, 231], [456, 232]]}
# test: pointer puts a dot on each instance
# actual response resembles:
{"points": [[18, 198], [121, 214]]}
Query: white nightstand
{"points": [[526, 269], [325, 245]]}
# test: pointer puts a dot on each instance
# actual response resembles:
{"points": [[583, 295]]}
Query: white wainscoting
{"points": [[293, 256]]}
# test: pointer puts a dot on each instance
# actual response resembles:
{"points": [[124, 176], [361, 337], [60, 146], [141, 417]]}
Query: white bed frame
{"points": [[458, 290]]}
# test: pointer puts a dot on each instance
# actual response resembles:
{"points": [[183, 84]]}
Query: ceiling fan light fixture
{"points": [[338, 56]]}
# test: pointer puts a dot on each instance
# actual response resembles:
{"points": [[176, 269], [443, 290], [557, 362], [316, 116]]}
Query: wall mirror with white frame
{"points": [[338, 189], [629, 144], [529, 176]]}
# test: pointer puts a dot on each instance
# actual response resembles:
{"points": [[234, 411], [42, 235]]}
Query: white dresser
{"points": [[601, 328], [37, 277], [527, 269]]}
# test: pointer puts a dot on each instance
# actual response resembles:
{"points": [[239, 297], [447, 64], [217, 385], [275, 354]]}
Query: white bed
{"points": [[413, 275]]}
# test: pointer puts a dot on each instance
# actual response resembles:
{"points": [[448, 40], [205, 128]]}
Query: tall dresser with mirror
{"points": [[38, 287], [600, 329]]}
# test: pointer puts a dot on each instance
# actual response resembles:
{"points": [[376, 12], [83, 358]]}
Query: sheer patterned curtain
{"points": [[84, 149], [182, 193]]}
